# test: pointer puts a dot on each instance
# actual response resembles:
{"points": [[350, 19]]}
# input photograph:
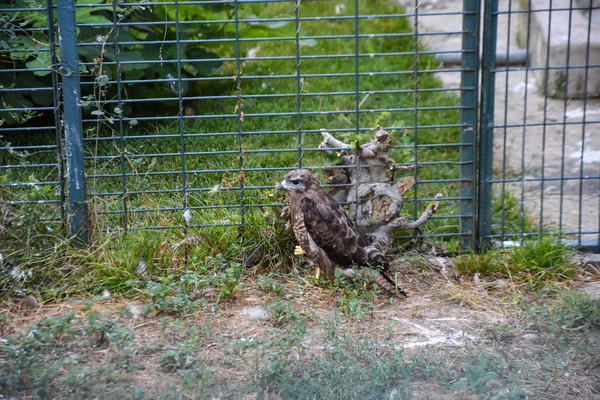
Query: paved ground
{"points": [[552, 150]]}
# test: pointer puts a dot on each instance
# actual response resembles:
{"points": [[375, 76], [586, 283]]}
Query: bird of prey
{"points": [[328, 236]]}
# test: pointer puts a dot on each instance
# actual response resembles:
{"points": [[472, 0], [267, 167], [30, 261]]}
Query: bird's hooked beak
{"points": [[281, 186]]}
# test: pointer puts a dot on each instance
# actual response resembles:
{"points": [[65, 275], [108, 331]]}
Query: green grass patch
{"points": [[535, 263]]}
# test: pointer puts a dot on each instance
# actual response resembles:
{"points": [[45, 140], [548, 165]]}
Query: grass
{"points": [[534, 263]]}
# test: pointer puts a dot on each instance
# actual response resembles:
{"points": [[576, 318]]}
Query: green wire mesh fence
{"points": [[186, 113], [542, 175]]}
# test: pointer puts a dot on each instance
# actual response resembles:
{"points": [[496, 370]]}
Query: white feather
{"points": [[187, 216]]}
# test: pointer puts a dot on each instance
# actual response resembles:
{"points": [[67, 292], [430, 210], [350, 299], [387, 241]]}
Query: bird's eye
{"points": [[295, 181]]}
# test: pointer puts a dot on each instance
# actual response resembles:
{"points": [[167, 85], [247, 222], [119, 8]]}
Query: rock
{"points": [[592, 260], [500, 284], [207, 293], [532, 337], [28, 301], [591, 289]]}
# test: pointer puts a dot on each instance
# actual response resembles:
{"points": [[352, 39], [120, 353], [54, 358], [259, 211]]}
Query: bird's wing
{"points": [[333, 231]]}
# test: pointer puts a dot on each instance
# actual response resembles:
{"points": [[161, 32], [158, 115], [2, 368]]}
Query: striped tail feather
{"points": [[385, 282]]}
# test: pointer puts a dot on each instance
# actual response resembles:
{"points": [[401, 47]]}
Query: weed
{"points": [[535, 263], [170, 295], [51, 352], [282, 313], [195, 380], [354, 307], [268, 284], [179, 357], [4, 321], [344, 370], [564, 318], [477, 377], [546, 260], [501, 332], [507, 217], [354, 300], [484, 264]]}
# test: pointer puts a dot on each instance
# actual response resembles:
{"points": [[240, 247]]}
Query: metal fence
{"points": [[540, 132], [128, 115]]}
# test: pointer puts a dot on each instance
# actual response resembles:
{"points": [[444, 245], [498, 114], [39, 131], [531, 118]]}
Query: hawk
{"points": [[327, 235]]}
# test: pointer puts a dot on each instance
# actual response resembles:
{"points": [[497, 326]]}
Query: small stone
{"points": [[501, 284], [592, 289], [532, 337], [28, 302], [207, 293], [592, 260]]}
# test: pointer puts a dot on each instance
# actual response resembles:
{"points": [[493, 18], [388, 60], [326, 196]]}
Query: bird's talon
{"points": [[298, 251]]}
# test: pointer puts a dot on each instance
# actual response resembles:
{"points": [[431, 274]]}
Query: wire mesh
{"points": [[233, 95], [546, 175], [193, 110], [32, 191]]}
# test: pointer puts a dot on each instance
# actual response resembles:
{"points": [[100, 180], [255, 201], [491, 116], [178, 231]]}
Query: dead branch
{"points": [[364, 177]]}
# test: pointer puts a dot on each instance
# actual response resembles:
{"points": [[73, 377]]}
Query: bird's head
{"points": [[298, 181]]}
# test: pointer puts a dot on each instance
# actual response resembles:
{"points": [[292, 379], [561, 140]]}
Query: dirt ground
{"points": [[533, 150], [446, 321]]}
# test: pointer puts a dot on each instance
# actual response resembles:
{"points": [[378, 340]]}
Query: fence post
{"points": [[67, 34], [469, 96], [486, 142]]}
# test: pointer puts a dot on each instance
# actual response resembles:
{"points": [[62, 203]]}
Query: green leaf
{"points": [[203, 68], [24, 47], [461, 384], [488, 376], [41, 60], [87, 18], [137, 70], [483, 361], [102, 80], [473, 373], [87, 15]]}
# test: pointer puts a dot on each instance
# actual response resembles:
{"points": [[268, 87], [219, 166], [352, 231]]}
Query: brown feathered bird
{"points": [[326, 234]]}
